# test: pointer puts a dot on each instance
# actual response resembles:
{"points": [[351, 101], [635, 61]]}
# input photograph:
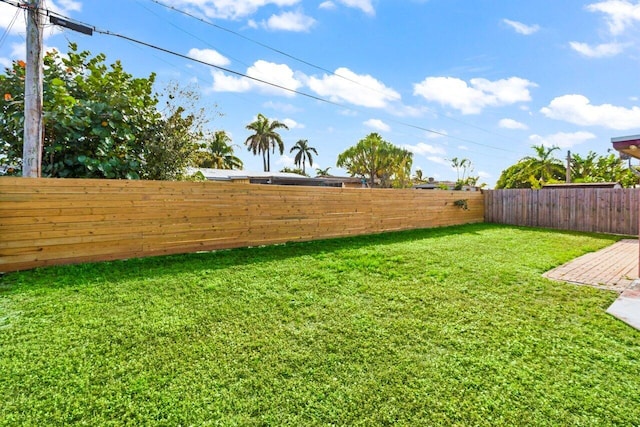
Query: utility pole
{"points": [[33, 126], [568, 166]]}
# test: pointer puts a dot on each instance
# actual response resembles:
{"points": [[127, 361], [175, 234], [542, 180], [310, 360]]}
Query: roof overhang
{"points": [[629, 145]]}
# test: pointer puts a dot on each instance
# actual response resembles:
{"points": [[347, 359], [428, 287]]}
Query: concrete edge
{"points": [[627, 306]]}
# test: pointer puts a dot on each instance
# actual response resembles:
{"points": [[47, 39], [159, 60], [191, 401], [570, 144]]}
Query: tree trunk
{"points": [[268, 161]]}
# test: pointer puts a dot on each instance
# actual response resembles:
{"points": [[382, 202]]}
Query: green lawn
{"points": [[451, 326]]}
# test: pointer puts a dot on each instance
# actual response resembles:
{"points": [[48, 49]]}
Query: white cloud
{"points": [[407, 110], [18, 26], [362, 90], [363, 5], [227, 9], [19, 50], [463, 148], [286, 161], [424, 149], [209, 56], [225, 83], [598, 51], [577, 109], [378, 125], [439, 160], [290, 21], [511, 124], [562, 139], [7, 15], [283, 107], [484, 175], [472, 98], [292, 124], [5, 62], [348, 113], [67, 5], [620, 14], [328, 5], [521, 28], [279, 74]]}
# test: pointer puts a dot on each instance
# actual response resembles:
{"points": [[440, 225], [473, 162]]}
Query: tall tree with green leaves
{"points": [[218, 153], [533, 171], [597, 168], [303, 153], [380, 162], [544, 167], [265, 138], [463, 168], [99, 121]]}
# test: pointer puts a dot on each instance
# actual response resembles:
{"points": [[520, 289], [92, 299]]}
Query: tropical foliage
{"points": [[463, 168], [303, 153], [218, 153], [265, 138], [322, 172], [535, 171], [380, 162], [294, 170], [99, 121], [418, 177], [596, 168]]}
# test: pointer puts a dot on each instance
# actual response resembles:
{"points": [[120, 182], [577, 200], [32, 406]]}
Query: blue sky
{"points": [[488, 77]]}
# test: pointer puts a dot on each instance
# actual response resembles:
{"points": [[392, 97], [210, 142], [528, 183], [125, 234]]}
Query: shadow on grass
{"points": [[150, 267]]}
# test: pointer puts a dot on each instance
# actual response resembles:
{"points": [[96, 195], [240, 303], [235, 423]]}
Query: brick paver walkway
{"points": [[614, 267]]}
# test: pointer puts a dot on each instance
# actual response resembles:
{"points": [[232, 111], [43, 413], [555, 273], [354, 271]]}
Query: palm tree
{"points": [[418, 178], [462, 166], [219, 153], [265, 138], [322, 172], [544, 167], [304, 153], [584, 168]]}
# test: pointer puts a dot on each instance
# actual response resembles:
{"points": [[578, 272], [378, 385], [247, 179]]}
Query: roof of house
{"points": [[231, 174], [276, 178], [345, 179], [629, 145]]}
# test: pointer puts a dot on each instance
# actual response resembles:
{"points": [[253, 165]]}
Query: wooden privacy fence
{"points": [[59, 221], [603, 210]]}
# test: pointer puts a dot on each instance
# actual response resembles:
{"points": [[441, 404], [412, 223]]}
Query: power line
{"points": [[297, 92], [193, 35], [302, 61], [259, 43], [307, 95], [8, 29]]}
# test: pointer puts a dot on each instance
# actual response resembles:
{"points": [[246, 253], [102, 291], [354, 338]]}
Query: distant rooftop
{"points": [[629, 145], [231, 174]]}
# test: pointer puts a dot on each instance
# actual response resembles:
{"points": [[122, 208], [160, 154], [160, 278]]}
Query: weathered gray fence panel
{"points": [[603, 210]]}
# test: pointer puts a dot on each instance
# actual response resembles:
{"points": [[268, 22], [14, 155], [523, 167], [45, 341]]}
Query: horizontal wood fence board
{"points": [[602, 210], [80, 250], [69, 239], [60, 221]]}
